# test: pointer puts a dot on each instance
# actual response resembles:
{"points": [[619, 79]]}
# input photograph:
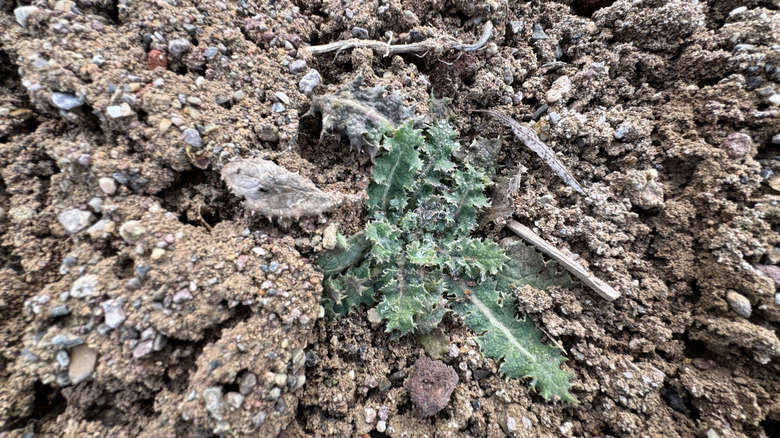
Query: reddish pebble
{"points": [[431, 385], [156, 59]]}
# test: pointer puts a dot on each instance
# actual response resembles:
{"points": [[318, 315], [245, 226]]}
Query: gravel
{"points": [[66, 101], [74, 220], [309, 81], [178, 47], [297, 66], [114, 315]]}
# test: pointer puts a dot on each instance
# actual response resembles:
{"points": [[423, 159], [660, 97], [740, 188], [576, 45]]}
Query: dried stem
{"points": [[386, 49], [606, 291]]}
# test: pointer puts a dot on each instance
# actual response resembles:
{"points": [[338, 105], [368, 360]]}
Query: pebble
{"points": [[538, 33], [107, 185], [182, 296], [66, 340], [622, 130], [213, 399], [23, 13], [155, 59], [259, 418], [132, 231], [114, 315], [74, 220], [234, 399], [247, 383], [559, 89], [59, 311], [739, 304], [62, 357], [143, 348], [66, 101], [282, 97], [309, 81], [210, 53], [157, 253], [192, 137], [516, 26], [95, 204], [277, 107], [381, 426], [297, 66], [82, 363], [370, 415], [114, 111], [238, 96], [86, 286], [737, 145], [178, 47], [431, 386], [359, 32], [98, 59]]}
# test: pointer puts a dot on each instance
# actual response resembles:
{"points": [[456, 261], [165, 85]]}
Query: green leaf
{"points": [[423, 252], [346, 253], [515, 343], [386, 239], [346, 291], [395, 173], [475, 258]]}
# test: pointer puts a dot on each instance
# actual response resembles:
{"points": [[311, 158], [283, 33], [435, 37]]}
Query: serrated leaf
{"points": [[363, 115], [423, 252], [395, 173], [386, 239], [467, 198], [475, 258], [346, 253], [346, 291], [515, 343]]}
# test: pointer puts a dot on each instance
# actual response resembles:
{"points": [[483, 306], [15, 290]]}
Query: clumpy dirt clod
{"points": [[431, 385]]}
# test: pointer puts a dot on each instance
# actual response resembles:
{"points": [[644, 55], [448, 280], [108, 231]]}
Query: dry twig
{"points": [[385, 49], [606, 291]]}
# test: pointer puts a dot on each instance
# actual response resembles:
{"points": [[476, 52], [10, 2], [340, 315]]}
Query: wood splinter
{"points": [[606, 291], [386, 49]]}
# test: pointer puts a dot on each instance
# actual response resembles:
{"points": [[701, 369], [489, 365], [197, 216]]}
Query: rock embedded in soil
{"points": [[132, 231], [66, 101], [739, 304], [431, 385], [192, 137], [82, 363], [309, 81], [178, 47], [559, 89], [737, 145], [113, 312], [74, 220], [23, 13]]}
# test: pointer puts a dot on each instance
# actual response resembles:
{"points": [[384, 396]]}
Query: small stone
{"points": [[210, 53], [234, 400], [381, 426], [538, 33], [95, 204], [63, 359], [247, 383], [192, 137], [159, 342], [74, 220], [107, 185], [282, 97], [370, 415], [158, 253], [114, 111], [268, 132], [511, 425], [178, 47], [516, 26], [258, 419], [23, 13], [113, 312], [82, 364], [132, 231], [213, 399], [309, 81], [622, 130], [98, 59], [238, 96], [66, 101], [59, 311], [182, 296], [86, 286], [737, 145], [739, 304], [559, 89], [66, 340], [297, 66], [431, 386], [384, 413], [277, 107], [359, 32], [155, 59], [142, 349]]}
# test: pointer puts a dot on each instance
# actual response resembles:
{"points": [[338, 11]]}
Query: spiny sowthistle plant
{"points": [[416, 259]]}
